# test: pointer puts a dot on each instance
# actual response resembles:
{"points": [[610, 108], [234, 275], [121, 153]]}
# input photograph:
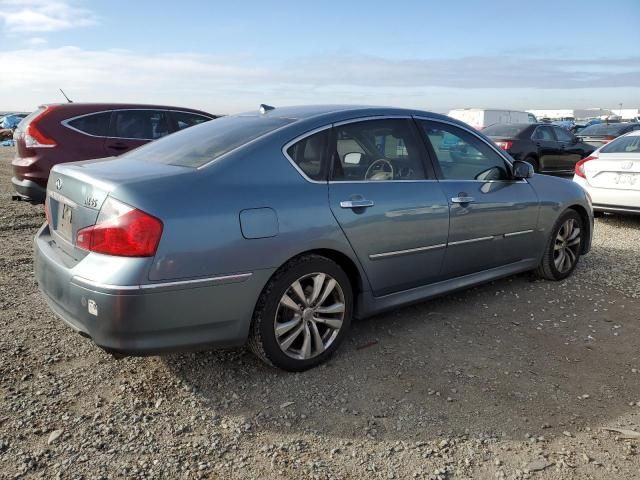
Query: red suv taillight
{"points": [[33, 137], [580, 166], [121, 230], [505, 145]]}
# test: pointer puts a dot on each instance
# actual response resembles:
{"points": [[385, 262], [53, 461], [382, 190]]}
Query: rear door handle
{"points": [[356, 203], [463, 199]]}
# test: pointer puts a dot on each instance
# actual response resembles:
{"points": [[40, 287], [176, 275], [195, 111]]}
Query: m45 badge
{"points": [[91, 202]]}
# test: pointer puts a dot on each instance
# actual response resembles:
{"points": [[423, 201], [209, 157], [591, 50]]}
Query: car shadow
{"points": [[506, 358]]}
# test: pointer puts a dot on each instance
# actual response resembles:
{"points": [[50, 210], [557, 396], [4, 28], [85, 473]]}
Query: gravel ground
{"points": [[514, 379]]}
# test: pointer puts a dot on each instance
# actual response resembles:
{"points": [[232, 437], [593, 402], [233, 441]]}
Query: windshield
{"points": [[626, 144], [504, 130], [200, 144], [603, 129]]}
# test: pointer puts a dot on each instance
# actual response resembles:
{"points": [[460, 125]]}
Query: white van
{"points": [[480, 118]]}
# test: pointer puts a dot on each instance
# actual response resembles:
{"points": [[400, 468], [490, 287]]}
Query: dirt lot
{"points": [[514, 379]]}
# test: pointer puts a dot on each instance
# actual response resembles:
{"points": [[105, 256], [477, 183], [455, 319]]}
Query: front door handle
{"points": [[356, 203], [463, 199]]}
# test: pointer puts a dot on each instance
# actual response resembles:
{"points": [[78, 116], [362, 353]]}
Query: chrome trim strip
{"points": [[61, 198], [239, 277], [515, 234], [376, 256], [371, 117], [471, 240]]}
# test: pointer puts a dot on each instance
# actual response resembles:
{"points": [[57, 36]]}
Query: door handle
{"points": [[463, 199], [118, 146], [356, 203]]}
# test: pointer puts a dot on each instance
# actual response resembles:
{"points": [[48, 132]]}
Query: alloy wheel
{"points": [[309, 316], [567, 246]]}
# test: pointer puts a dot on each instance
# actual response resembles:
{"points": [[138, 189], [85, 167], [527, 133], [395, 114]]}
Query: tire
{"points": [[316, 337], [562, 253], [534, 163]]}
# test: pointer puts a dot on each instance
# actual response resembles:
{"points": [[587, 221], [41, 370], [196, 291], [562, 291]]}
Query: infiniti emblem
{"points": [[59, 183]]}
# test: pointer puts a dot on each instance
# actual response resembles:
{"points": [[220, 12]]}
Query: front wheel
{"points": [[563, 249], [303, 314]]}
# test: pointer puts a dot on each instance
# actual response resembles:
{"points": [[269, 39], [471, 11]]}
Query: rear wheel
{"points": [[303, 314], [563, 249], [534, 163]]}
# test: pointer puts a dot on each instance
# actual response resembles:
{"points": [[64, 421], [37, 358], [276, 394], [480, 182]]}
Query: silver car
{"points": [[276, 228]]}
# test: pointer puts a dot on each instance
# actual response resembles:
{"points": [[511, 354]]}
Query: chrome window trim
{"points": [[394, 253], [372, 117], [222, 279], [65, 123], [475, 134]]}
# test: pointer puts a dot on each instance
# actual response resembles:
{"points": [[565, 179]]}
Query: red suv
{"points": [[71, 132]]}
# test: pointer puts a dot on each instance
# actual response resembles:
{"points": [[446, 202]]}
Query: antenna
{"points": [[65, 96]]}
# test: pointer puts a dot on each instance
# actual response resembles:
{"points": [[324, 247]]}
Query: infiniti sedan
{"points": [[276, 228]]}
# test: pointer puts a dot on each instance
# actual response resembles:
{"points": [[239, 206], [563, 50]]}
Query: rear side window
{"points": [[96, 124], [603, 129], [309, 155], [140, 124], [196, 146], [187, 119], [562, 134], [544, 133]]}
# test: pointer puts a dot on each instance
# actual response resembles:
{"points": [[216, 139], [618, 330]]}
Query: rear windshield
{"points": [[603, 129], [504, 130], [195, 146], [626, 144]]}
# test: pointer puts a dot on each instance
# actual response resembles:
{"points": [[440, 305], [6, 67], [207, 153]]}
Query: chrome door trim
{"points": [[222, 279], [372, 117], [515, 234], [394, 253], [471, 240]]}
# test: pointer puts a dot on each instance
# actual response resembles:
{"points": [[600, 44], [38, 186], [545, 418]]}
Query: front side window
{"points": [[463, 156], [309, 155], [377, 150], [544, 134], [188, 119], [563, 135], [141, 124], [96, 124]]}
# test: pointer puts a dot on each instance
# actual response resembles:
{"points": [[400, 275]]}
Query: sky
{"points": [[227, 57]]}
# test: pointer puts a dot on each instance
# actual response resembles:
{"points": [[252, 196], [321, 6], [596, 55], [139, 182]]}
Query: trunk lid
{"points": [[76, 192], [617, 171]]}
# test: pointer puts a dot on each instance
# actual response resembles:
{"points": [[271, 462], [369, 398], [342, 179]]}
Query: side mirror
{"points": [[575, 140], [522, 170], [353, 158]]}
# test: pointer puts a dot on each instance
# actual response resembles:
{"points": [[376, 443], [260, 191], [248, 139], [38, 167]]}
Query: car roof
{"points": [[97, 106]]}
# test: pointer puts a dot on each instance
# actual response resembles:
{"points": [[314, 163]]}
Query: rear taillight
{"points": [[505, 145], [121, 230], [579, 169], [33, 137]]}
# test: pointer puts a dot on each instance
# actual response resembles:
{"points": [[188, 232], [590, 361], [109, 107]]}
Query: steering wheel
{"points": [[380, 169]]}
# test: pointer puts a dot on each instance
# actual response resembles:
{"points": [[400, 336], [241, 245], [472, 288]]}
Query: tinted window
{"points": [[563, 135], [140, 124], [187, 119], [603, 129], [193, 147], [310, 153], [505, 130], [96, 124], [377, 150], [626, 144], [463, 156], [544, 134]]}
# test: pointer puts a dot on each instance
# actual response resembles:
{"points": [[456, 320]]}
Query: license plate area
{"points": [[65, 221], [626, 179]]}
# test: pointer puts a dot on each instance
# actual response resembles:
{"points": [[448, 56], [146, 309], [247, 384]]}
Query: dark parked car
{"points": [[598, 135], [276, 228], [70, 132], [549, 148]]}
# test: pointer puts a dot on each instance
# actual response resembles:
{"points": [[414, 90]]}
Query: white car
{"points": [[611, 175]]}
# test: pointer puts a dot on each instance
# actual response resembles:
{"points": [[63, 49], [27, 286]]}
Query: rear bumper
{"points": [[29, 190], [149, 319], [610, 199]]}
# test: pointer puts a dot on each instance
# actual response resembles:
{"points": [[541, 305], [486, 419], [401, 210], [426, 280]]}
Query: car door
{"points": [[571, 150], [547, 146], [387, 202], [492, 217], [134, 127]]}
